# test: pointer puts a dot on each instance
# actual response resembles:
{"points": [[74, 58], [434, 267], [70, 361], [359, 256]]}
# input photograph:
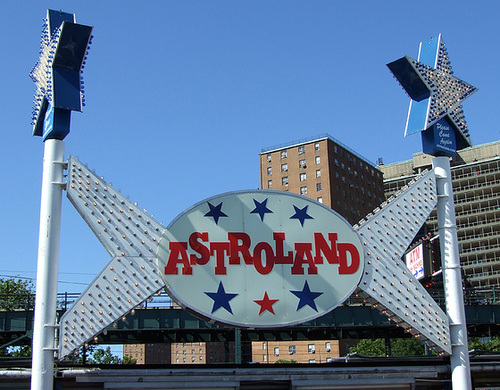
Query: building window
{"points": [[316, 146], [318, 186], [193, 352], [264, 345], [284, 154], [328, 346], [276, 351], [184, 352], [302, 164], [269, 184], [318, 172], [311, 348], [268, 158], [320, 199], [336, 162], [269, 171], [312, 360], [302, 149], [284, 167], [291, 350], [284, 180], [328, 359], [303, 190], [184, 360], [264, 358], [303, 176], [335, 148], [318, 160], [193, 359], [201, 358]]}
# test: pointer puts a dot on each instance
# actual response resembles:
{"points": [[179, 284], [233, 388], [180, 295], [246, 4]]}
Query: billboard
{"points": [[260, 259]]}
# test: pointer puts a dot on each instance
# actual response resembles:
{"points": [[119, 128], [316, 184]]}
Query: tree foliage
{"points": [[93, 354], [398, 347], [369, 347], [285, 361], [16, 294], [488, 344]]}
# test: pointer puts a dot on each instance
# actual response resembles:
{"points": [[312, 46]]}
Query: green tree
{"points": [[407, 347], [284, 361], [16, 294], [399, 347], [128, 360], [489, 344], [104, 356], [369, 347], [92, 354]]}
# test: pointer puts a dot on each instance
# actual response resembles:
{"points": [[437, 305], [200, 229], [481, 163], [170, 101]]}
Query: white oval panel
{"points": [[260, 259]]}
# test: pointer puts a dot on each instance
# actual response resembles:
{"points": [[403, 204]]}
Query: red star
{"points": [[266, 304]]}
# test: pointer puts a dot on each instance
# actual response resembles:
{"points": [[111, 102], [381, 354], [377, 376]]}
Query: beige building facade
{"points": [[476, 188]]}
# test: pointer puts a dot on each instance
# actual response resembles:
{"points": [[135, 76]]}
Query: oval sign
{"points": [[260, 259]]}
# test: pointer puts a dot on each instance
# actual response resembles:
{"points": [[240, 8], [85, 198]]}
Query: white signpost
{"points": [[436, 112]]}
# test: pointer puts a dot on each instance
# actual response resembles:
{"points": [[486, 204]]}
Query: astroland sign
{"points": [[260, 259]]}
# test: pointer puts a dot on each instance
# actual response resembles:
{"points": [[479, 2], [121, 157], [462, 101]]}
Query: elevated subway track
{"points": [[171, 324]]}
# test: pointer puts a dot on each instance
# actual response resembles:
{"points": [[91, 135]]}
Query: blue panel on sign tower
{"points": [[429, 51], [417, 116], [56, 18], [439, 139]]}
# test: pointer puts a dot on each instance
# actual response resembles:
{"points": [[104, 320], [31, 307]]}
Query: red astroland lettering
{"points": [[238, 247]]}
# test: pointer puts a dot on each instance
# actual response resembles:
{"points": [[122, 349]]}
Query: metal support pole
{"points": [[237, 345], [42, 368], [452, 275]]}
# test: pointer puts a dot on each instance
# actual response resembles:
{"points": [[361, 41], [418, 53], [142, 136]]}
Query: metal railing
{"points": [[66, 299]]}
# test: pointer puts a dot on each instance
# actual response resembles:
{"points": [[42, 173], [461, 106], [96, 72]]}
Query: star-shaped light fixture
{"points": [[57, 74], [436, 94]]}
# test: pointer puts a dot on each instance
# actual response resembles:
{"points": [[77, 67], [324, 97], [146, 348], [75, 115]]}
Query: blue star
{"points": [[301, 214], [306, 297], [260, 208], [215, 212], [221, 299]]}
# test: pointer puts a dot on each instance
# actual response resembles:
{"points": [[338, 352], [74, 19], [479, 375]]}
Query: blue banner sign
{"points": [[439, 139]]}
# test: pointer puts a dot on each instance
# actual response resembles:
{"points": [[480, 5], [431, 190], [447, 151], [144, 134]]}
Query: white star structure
{"points": [[132, 236]]}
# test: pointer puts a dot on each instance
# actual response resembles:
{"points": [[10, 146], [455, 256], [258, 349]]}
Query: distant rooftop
{"points": [[312, 139]]}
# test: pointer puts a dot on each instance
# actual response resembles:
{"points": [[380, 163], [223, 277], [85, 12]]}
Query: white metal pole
{"points": [[42, 368], [452, 275]]}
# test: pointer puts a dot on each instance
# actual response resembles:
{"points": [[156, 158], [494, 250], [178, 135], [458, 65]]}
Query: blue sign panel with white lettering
{"points": [[439, 139]]}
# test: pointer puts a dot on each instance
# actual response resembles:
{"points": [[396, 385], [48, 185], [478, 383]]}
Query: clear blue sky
{"points": [[182, 95]]}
